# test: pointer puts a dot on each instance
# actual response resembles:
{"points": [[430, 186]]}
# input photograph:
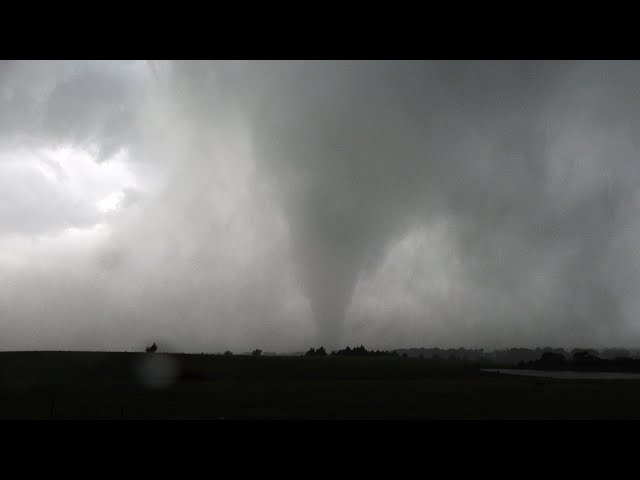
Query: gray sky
{"points": [[279, 205]]}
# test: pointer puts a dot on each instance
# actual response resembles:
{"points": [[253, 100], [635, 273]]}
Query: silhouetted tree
{"points": [[360, 351], [152, 348], [321, 352], [583, 353], [615, 353], [228, 353], [552, 359], [257, 352], [584, 356]]}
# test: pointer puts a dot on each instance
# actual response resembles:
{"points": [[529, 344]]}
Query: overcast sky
{"points": [[281, 205]]}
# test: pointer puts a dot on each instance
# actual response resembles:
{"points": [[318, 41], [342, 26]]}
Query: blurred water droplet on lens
{"points": [[158, 371]]}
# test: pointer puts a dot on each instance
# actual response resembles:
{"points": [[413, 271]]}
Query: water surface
{"points": [[566, 374]]}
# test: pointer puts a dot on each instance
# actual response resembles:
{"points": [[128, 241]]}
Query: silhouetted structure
{"points": [[152, 348]]}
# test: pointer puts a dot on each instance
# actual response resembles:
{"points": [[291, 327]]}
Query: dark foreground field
{"points": [[77, 385]]}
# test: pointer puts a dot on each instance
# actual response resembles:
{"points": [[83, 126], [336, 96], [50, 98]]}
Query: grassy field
{"points": [[80, 385]]}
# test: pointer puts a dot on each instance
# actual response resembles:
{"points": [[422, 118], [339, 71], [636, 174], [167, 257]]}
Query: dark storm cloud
{"points": [[362, 151], [78, 102], [412, 203]]}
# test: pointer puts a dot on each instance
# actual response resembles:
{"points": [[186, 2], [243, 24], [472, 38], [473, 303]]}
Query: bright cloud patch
{"points": [[45, 191], [111, 202]]}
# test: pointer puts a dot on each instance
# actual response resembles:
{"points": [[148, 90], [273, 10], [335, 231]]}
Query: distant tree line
{"points": [[512, 356], [444, 353], [547, 357], [312, 352], [361, 351], [583, 359]]}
